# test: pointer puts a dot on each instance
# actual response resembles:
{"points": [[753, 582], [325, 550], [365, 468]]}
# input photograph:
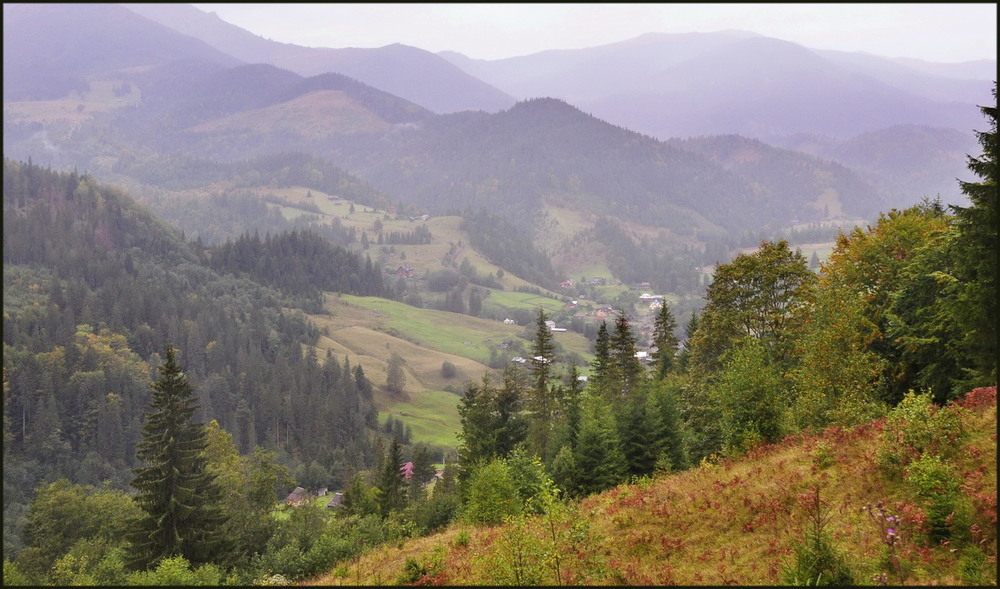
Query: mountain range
{"points": [[710, 133]]}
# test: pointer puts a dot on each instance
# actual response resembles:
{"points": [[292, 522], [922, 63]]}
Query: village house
{"points": [[296, 497], [336, 500]]}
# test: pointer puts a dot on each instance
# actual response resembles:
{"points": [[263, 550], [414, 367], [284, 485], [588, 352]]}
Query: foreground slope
{"points": [[738, 521]]}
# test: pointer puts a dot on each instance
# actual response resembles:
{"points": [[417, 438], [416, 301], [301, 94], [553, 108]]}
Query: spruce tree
{"points": [[664, 340], [180, 499], [602, 358], [598, 458], [542, 402], [624, 365], [977, 261], [391, 484]]}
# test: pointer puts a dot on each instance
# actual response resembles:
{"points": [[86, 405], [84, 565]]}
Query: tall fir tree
{"points": [[391, 484], [625, 367], [180, 499], [664, 340], [602, 358], [977, 262], [598, 459], [542, 401]]}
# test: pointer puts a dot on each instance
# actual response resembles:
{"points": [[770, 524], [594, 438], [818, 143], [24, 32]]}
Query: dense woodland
{"points": [[95, 286], [104, 303]]}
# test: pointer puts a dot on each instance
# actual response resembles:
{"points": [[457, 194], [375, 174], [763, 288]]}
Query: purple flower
{"points": [[890, 519], [892, 531]]}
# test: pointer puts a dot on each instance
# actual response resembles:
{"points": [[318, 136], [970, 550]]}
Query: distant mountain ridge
{"points": [[738, 82], [602, 155], [49, 48], [410, 73]]}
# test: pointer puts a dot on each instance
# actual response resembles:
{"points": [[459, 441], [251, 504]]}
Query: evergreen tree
{"points": [[668, 423], [685, 353], [602, 358], [637, 433], [391, 485], [977, 261], [664, 340], [625, 367], [542, 395], [180, 498], [598, 459]]}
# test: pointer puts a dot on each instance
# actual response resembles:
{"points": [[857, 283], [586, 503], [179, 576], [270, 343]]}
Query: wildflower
{"points": [[890, 519]]}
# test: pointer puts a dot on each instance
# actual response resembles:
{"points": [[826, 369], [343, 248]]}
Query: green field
{"points": [[452, 333], [521, 300], [432, 417]]}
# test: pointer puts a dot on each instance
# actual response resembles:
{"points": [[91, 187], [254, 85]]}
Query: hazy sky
{"points": [[933, 32]]}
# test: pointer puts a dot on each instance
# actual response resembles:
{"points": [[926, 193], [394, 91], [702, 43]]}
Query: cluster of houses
{"points": [[300, 496], [404, 271]]}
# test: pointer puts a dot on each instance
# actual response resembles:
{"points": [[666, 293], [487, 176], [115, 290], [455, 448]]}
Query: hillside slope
{"points": [[740, 521]]}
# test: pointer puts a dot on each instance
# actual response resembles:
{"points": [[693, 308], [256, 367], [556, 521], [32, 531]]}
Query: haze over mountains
{"points": [[601, 129]]}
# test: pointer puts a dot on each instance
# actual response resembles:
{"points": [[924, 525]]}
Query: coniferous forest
{"points": [[273, 327]]}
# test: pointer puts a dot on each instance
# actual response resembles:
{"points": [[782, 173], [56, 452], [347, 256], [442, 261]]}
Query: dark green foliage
{"points": [[541, 401], [299, 263], [598, 459], [94, 287], [817, 561], [507, 245], [667, 270], [637, 433], [179, 496], [391, 485], [755, 295], [665, 406], [601, 365], [664, 340], [492, 421], [976, 311], [625, 370]]}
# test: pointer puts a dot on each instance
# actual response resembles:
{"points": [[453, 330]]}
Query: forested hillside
{"points": [[262, 328], [95, 286]]}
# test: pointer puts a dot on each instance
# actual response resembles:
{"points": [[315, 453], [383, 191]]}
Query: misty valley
{"points": [[693, 309]]}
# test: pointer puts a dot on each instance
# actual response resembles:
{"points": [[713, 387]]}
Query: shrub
{"points": [[817, 562], [415, 571], [939, 485], [176, 571], [916, 426], [493, 495], [448, 370], [14, 576]]}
